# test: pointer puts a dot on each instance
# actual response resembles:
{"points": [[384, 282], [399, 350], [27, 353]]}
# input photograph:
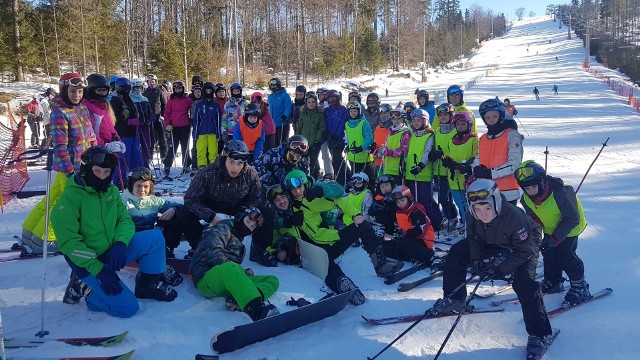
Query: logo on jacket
{"points": [[523, 234]]}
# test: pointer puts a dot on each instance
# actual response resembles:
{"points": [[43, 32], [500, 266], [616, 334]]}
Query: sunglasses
{"points": [[77, 81], [295, 145], [524, 173], [272, 83], [296, 182], [141, 175]]}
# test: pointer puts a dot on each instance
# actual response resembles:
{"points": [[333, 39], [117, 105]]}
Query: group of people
{"points": [[381, 198], [38, 113]]}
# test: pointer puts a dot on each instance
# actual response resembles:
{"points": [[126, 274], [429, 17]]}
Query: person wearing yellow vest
{"points": [[414, 236], [360, 196], [249, 130], [443, 134], [500, 150], [395, 149], [461, 156], [418, 171], [455, 96], [359, 137], [557, 208]]}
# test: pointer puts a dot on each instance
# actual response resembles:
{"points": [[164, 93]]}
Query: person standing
{"points": [[280, 107], [45, 105], [128, 127], [267, 121], [336, 117], [424, 104], [233, 110], [536, 93], [558, 209], [158, 102], [176, 122], [206, 127], [555, 89], [455, 96], [359, 138], [510, 110], [101, 114], [147, 117], [33, 115], [495, 225], [311, 124]]}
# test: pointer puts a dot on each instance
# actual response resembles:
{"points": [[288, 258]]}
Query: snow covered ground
{"points": [[572, 124]]}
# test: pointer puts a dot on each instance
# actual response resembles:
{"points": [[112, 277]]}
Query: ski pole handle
{"points": [[31, 155]]}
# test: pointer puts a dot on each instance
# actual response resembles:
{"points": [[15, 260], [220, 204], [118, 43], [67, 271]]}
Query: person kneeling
{"points": [[216, 268], [97, 237]]}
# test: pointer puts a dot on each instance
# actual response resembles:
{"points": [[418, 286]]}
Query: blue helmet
{"points": [[530, 173], [492, 104], [113, 79], [123, 82]]}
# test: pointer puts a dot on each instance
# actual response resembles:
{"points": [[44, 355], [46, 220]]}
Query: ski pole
{"points": [[593, 162], [521, 124], [426, 314], [546, 155], [455, 323], [415, 181], [2, 351]]}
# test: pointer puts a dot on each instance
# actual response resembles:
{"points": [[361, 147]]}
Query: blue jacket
{"points": [[431, 109], [206, 119], [367, 133], [144, 209], [279, 104], [336, 118]]}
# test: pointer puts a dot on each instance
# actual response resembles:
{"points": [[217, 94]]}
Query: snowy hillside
{"points": [[573, 124]]}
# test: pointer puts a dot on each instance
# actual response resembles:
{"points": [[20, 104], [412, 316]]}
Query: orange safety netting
{"points": [[13, 177]]}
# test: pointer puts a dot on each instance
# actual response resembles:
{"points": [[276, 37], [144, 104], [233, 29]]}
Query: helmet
{"points": [[421, 115], [409, 106], [398, 113], [178, 83], [298, 144], [422, 94], [400, 192], [99, 156], [152, 77], [295, 178], [373, 96], [208, 86], [235, 85], [113, 79], [95, 81], [385, 108], [196, 80], [484, 191], [137, 83], [333, 93], [321, 91], [139, 173], [275, 82], [455, 89], [274, 191], [50, 91], [507, 101], [444, 107], [123, 85], [301, 89], [360, 177], [252, 109], [354, 105], [219, 86], [71, 79], [237, 150], [530, 173], [310, 94], [240, 229], [167, 85], [385, 179], [492, 104], [463, 116], [356, 95]]}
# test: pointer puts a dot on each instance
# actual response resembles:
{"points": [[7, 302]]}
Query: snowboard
{"points": [[314, 259], [244, 335]]}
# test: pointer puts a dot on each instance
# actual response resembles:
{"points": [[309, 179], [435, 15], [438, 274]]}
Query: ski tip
{"points": [[126, 356], [207, 357]]}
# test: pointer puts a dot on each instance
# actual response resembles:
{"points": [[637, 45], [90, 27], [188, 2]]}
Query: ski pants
{"points": [[524, 285], [314, 164], [563, 258], [145, 145], [146, 247], [282, 133], [158, 136], [326, 159], [445, 199], [131, 159], [182, 222], [34, 126], [334, 271], [423, 193], [33, 225], [206, 149], [180, 136], [231, 278], [459, 197], [269, 142], [408, 250]]}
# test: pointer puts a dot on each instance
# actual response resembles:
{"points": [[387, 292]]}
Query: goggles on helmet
{"points": [[244, 157], [274, 191], [100, 159], [141, 174], [273, 82], [297, 181], [257, 218], [384, 179], [298, 145], [478, 195], [76, 81], [358, 178], [395, 115], [524, 173], [454, 91]]}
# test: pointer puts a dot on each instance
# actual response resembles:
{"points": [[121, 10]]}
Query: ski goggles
{"points": [[395, 115], [141, 174], [101, 159], [297, 181], [454, 91], [299, 145], [358, 178], [76, 81], [102, 91], [256, 217], [273, 83], [274, 191], [239, 156], [524, 173], [442, 110], [384, 179], [399, 194]]}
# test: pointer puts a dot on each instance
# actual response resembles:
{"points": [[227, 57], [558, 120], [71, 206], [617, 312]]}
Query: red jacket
{"points": [[176, 113]]}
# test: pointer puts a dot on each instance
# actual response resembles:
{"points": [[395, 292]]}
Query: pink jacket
{"points": [[101, 118], [176, 113], [267, 120]]}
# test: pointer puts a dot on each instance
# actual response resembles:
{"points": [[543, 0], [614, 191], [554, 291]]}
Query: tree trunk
{"points": [[16, 45]]}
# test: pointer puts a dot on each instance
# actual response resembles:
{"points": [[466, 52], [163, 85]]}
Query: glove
{"points": [[492, 273], [435, 155], [355, 149], [481, 172], [313, 192], [549, 242], [125, 113], [294, 220], [515, 112], [449, 163], [117, 256], [109, 282], [415, 170], [168, 128], [464, 169], [116, 146]]}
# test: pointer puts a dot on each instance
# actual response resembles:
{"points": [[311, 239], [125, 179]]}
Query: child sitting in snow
{"points": [[143, 206]]}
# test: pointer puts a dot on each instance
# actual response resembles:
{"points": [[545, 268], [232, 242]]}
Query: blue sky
{"points": [[509, 7]]}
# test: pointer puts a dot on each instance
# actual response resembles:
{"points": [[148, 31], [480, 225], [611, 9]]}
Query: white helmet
{"points": [[360, 176], [484, 191]]}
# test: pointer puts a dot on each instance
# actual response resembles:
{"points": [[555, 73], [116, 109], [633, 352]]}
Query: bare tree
{"points": [[520, 12]]}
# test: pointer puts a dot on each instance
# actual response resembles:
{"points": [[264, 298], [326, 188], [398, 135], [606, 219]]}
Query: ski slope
{"points": [[572, 124]]}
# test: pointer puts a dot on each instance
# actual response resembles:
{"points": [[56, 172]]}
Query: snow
{"points": [[572, 124]]}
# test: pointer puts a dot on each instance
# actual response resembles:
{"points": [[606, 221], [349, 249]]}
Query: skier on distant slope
{"points": [[536, 93], [556, 207], [496, 225]]}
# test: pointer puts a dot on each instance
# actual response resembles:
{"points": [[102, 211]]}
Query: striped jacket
{"points": [[71, 134]]}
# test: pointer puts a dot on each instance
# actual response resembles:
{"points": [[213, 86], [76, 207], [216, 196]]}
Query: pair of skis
{"points": [[103, 341]]}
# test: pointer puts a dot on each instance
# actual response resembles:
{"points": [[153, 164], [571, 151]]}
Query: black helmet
{"points": [[507, 101], [408, 107], [97, 156], [235, 86], [239, 228], [301, 89], [492, 104], [196, 80], [219, 86], [208, 86], [95, 81], [50, 91], [139, 173], [373, 96], [252, 109], [237, 150], [298, 144], [422, 94], [356, 95]]}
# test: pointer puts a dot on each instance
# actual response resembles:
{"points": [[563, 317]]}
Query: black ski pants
{"points": [[563, 258], [182, 222], [158, 137], [445, 199], [524, 285], [413, 250], [180, 136]]}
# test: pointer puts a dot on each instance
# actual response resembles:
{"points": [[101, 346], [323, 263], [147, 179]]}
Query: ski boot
{"points": [[76, 290], [550, 288], [258, 310], [383, 265], [171, 277], [262, 257], [149, 286], [578, 292], [344, 284], [448, 306], [536, 347]]}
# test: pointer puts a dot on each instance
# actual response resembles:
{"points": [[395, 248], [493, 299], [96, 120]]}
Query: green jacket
{"points": [[312, 218], [311, 125], [88, 223]]}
